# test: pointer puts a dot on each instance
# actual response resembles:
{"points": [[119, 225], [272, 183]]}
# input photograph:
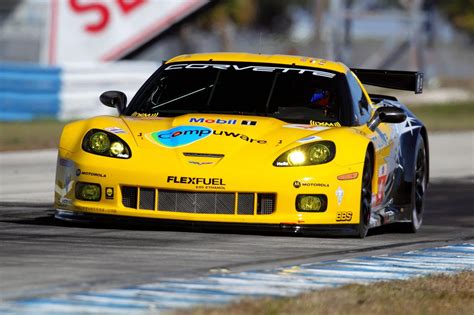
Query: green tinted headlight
{"points": [[311, 203], [88, 191], [319, 153], [99, 142], [313, 153], [105, 143]]}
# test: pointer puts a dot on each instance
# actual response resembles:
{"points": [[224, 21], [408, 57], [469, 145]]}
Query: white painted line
{"points": [[223, 288]]}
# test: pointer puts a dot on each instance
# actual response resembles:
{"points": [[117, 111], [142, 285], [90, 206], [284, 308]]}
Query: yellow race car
{"points": [[250, 142]]}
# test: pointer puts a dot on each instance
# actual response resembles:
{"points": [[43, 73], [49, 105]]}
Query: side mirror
{"points": [[115, 99], [391, 115]]}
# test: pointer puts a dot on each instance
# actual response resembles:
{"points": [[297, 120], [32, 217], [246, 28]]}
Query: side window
{"points": [[361, 105]]}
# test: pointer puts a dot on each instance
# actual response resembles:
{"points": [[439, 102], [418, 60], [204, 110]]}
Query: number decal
{"points": [[344, 216]]}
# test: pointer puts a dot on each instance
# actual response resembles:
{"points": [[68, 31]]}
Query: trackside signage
{"points": [[103, 30]]}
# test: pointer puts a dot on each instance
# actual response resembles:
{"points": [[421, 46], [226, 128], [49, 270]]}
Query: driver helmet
{"points": [[320, 98]]}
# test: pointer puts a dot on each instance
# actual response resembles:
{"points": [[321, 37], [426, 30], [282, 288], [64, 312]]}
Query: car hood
{"points": [[206, 138]]}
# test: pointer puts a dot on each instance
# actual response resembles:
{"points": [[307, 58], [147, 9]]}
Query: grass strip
{"points": [[447, 117], [437, 294], [39, 134]]}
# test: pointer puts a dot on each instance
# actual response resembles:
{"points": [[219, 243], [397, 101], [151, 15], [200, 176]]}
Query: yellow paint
{"points": [[247, 166]]}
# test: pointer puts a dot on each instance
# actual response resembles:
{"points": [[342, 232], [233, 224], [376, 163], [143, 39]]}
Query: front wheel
{"points": [[365, 198]]}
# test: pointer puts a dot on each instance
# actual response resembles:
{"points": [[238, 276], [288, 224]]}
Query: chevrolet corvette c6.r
{"points": [[251, 141]]}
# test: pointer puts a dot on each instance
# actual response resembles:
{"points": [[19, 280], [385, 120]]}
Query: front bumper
{"points": [[117, 177]]}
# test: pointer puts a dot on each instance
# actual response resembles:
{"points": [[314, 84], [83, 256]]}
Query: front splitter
{"points": [[203, 226]]}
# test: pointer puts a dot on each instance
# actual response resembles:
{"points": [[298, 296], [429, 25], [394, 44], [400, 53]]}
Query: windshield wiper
{"points": [[267, 105], [183, 96], [161, 88], [214, 85]]}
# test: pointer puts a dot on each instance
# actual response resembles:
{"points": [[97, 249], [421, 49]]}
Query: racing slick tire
{"points": [[420, 183], [365, 198]]}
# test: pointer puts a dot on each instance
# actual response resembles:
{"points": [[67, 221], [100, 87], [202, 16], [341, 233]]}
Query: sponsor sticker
{"points": [[339, 195], [343, 216], [305, 127], [248, 122], [298, 184], [96, 210], [109, 193], [116, 130], [180, 136], [221, 121], [256, 68], [324, 123], [309, 139], [199, 182], [213, 121], [65, 179], [381, 182], [145, 115], [184, 135], [66, 162], [79, 172]]}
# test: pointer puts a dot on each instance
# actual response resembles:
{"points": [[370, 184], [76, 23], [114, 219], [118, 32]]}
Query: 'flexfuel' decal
{"points": [[199, 182], [195, 180]]}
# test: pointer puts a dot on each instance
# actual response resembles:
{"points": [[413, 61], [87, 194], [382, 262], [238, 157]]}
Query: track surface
{"points": [[40, 256]]}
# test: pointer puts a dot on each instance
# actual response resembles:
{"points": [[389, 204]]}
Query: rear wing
{"points": [[400, 80]]}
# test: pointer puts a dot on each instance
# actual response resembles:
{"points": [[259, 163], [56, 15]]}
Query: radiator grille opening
{"points": [[129, 196], [147, 198], [245, 203], [265, 203], [197, 202], [191, 202]]}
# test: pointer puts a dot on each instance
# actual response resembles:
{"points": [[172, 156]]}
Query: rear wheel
{"points": [[365, 198], [420, 182]]}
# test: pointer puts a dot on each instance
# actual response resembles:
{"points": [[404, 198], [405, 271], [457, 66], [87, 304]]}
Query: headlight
{"points": [[104, 143], [311, 203], [309, 154], [99, 142]]}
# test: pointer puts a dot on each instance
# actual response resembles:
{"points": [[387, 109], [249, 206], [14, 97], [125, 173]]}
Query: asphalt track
{"points": [[42, 257]]}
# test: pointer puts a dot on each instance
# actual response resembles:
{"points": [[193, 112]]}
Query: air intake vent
{"points": [[204, 155], [181, 201], [129, 196], [265, 203], [147, 198], [141, 198]]}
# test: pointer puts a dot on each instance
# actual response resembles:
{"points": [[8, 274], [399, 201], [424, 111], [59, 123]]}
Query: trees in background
{"points": [[460, 13]]}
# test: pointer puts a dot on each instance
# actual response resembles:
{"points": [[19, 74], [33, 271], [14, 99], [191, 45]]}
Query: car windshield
{"points": [[289, 93]]}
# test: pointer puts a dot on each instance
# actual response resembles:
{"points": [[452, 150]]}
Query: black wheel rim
{"points": [[420, 181], [366, 192]]}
